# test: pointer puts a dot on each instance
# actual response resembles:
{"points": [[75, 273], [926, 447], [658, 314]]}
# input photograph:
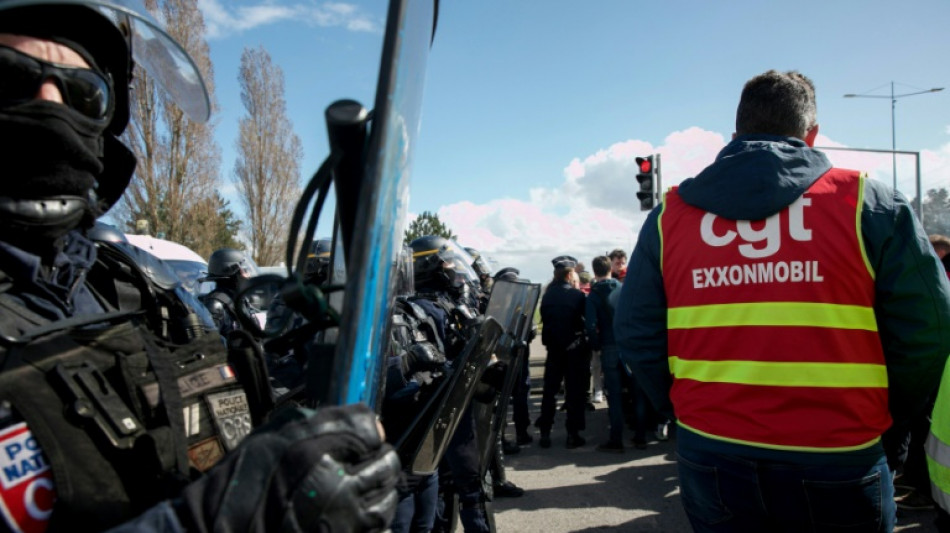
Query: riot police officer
{"points": [[287, 363], [416, 366], [227, 268], [111, 412], [441, 290], [522, 388]]}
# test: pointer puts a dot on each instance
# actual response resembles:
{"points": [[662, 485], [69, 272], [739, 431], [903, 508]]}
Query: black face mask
{"points": [[51, 158], [48, 150]]}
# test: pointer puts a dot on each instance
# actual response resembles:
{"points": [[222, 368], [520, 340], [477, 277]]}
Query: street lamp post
{"points": [[893, 98]]}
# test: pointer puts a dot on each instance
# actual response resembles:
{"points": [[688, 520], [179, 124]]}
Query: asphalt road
{"points": [[588, 490]]}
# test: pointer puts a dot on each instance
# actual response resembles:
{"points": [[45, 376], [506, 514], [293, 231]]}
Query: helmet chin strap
{"points": [[47, 219]]}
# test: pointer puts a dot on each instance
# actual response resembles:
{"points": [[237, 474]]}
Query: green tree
{"points": [[427, 224], [222, 226], [936, 209]]}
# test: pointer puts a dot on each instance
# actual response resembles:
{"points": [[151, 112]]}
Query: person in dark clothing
{"points": [[122, 408], [599, 320], [522, 388], [415, 367], [443, 293], [227, 268], [568, 360], [786, 313]]}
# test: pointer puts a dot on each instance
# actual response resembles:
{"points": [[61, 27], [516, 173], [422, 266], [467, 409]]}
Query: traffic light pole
{"points": [[659, 180]]}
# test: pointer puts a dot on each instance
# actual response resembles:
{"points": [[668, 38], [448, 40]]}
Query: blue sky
{"points": [[533, 111]]}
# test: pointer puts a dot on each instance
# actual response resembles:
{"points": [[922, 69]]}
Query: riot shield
{"points": [[423, 444], [372, 213], [512, 304]]}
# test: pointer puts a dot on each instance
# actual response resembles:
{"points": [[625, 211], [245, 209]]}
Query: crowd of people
{"points": [[583, 358]]}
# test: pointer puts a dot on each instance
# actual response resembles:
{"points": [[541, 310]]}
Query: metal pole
{"points": [[894, 98], [918, 206], [893, 137], [919, 202]]}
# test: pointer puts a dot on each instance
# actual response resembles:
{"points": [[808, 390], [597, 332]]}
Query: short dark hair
{"points": [[601, 266], [777, 103], [617, 252]]}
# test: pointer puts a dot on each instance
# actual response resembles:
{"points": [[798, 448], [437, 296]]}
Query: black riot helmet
{"points": [[103, 232], [228, 263], [479, 265], [318, 261], [508, 274], [435, 263], [64, 162]]}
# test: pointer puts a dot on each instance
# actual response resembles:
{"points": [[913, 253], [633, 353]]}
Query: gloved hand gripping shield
{"points": [[424, 443]]}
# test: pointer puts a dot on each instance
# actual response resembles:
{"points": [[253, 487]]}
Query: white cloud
{"points": [[594, 209], [222, 20]]}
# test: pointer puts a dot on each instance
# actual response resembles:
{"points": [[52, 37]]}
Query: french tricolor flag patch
{"points": [[226, 372]]}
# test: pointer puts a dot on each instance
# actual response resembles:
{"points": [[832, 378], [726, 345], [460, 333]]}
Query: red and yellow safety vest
{"points": [[772, 336]]}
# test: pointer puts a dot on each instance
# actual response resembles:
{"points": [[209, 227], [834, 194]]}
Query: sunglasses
{"points": [[85, 90]]}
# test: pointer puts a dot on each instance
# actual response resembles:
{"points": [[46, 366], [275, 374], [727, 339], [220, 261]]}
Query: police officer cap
{"points": [[564, 261]]}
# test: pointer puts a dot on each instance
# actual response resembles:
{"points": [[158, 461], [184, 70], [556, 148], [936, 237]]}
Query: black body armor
{"points": [[127, 406]]}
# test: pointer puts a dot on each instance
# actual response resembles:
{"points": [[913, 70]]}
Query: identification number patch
{"points": [[231, 415]]}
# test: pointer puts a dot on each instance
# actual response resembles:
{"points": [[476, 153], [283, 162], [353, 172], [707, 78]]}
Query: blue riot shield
{"points": [[372, 214], [346, 321]]}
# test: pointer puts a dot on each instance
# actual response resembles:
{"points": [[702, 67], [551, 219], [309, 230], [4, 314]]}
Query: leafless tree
{"points": [[177, 176], [267, 171]]}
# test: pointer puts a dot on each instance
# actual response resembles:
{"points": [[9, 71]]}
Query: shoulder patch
{"points": [[26, 481]]}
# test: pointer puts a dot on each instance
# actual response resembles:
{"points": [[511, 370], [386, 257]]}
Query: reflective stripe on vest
{"points": [[771, 329], [773, 314], [797, 374], [938, 444]]}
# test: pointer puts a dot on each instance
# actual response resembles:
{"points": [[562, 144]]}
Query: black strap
{"points": [[164, 369], [71, 323]]}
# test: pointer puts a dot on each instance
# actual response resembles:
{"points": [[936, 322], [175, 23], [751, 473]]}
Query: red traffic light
{"points": [[646, 164]]}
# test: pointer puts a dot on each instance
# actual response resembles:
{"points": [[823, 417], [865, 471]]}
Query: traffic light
{"points": [[648, 176]]}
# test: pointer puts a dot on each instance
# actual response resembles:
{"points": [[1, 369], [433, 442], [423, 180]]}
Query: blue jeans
{"points": [[415, 511], [726, 493], [610, 363]]}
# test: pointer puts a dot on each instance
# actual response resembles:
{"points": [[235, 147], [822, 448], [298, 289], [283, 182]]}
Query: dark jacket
{"points": [[53, 292], [562, 315], [753, 178], [599, 315]]}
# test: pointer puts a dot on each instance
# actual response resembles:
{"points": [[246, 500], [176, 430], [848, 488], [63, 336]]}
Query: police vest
{"points": [[772, 337], [116, 411], [938, 444]]}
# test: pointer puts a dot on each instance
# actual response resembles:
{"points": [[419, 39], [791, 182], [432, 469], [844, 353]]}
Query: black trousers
{"points": [[519, 396], [572, 367]]}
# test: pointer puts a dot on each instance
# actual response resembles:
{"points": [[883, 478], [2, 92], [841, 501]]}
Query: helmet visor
{"points": [[152, 48]]}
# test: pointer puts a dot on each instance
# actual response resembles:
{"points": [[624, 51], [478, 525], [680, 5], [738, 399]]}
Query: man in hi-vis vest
{"points": [[788, 313]]}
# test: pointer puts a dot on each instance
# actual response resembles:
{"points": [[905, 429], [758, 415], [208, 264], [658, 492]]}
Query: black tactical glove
{"points": [[326, 470], [494, 375], [424, 356], [493, 380]]}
